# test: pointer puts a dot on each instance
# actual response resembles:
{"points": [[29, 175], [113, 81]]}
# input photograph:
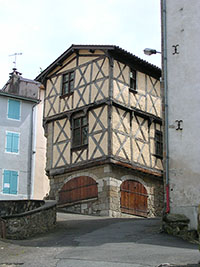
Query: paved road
{"points": [[88, 241]]}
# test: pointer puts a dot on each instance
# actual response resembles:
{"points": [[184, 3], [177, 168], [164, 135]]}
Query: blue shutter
{"points": [[6, 182], [12, 142], [13, 182], [13, 109], [9, 142], [15, 143]]}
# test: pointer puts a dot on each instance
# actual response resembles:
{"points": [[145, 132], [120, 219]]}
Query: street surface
{"points": [[91, 241]]}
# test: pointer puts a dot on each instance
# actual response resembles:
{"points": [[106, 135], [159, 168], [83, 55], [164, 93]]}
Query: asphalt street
{"points": [[91, 241]]}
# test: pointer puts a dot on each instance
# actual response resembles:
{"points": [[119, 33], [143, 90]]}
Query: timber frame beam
{"points": [[107, 160]]}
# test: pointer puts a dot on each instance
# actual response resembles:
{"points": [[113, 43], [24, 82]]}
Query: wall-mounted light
{"points": [[150, 51]]}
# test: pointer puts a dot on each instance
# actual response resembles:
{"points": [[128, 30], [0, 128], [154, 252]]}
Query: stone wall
{"points": [[12, 207], [30, 222], [177, 225], [109, 179]]}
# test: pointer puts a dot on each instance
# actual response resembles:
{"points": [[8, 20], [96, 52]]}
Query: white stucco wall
{"points": [[41, 181], [16, 162], [183, 70]]}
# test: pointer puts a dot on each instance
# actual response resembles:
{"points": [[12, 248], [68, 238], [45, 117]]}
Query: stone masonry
{"points": [[109, 179], [22, 219]]}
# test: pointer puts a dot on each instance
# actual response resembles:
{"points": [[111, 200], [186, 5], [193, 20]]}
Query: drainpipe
{"points": [[164, 47], [31, 151]]}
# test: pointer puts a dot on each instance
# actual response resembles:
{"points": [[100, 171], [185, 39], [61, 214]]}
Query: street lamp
{"points": [[150, 51]]}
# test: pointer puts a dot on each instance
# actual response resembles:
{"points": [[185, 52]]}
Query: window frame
{"points": [[133, 80], [158, 144], [82, 126], [68, 82], [11, 173], [8, 108], [6, 143]]}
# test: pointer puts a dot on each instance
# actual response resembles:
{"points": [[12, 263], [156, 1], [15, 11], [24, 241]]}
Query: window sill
{"points": [[134, 91], [81, 147], [66, 95], [158, 156]]}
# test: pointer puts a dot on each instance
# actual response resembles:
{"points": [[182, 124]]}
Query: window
{"points": [[68, 83], [12, 142], [14, 109], [10, 180], [133, 80], [158, 144], [80, 131]]}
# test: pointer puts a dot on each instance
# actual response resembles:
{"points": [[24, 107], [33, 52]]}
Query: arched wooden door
{"points": [[134, 198], [79, 188]]}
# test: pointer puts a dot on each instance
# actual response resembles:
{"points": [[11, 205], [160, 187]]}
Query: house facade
{"points": [[22, 158], [102, 120], [181, 39]]}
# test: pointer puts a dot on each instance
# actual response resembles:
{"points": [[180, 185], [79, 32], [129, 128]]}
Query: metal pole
{"points": [[164, 40]]}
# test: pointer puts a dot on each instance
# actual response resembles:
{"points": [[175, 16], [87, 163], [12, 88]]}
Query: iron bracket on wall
{"points": [[179, 125]]}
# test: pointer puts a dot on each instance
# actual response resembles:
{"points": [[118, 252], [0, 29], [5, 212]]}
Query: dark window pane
{"points": [[84, 135], [133, 74], [65, 88], [133, 79], [132, 84], [84, 121], [158, 143], [80, 131], [65, 77], [68, 83], [77, 123], [77, 137], [71, 75], [71, 85]]}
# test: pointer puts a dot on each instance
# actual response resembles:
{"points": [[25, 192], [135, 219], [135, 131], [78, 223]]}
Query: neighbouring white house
{"points": [[22, 142], [181, 64]]}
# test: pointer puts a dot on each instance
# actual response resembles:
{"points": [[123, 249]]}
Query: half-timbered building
{"points": [[102, 120]]}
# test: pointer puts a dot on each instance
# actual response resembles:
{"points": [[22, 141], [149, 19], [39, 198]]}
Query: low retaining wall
{"points": [[21, 219]]}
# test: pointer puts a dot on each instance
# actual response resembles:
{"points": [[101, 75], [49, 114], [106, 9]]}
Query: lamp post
{"points": [[150, 51]]}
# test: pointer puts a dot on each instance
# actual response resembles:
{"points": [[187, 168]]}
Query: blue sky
{"points": [[43, 29]]}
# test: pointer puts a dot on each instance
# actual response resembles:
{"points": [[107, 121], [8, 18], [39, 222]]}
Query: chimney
{"points": [[14, 82]]}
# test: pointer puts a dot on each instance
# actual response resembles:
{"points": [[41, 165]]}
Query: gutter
{"points": [[164, 47], [31, 152]]}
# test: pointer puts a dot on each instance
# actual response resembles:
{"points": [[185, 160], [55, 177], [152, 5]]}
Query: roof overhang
{"points": [[115, 51], [3, 93]]}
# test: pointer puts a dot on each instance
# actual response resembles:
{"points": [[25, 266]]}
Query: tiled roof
{"points": [[114, 50]]}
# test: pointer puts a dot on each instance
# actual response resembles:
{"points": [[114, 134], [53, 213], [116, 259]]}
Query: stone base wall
{"points": [[29, 223], [109, 179], [177, 225]]}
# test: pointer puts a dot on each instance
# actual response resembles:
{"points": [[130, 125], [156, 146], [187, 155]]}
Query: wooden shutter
{"points": [[15, 143], [13, 182], [10, 182], [13, 109], [12, 142], [9, 142], [6, 182]]}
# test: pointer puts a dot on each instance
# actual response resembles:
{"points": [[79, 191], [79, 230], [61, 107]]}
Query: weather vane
{"points": [[15, 55]]}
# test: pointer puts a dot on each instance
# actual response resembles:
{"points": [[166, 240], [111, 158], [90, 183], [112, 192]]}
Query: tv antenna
{"points": [[15, 55]]}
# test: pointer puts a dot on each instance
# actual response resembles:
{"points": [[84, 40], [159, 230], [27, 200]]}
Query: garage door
{"points": [[79, 188], [134, 198]]}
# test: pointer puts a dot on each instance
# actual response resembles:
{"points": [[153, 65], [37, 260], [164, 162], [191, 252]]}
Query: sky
{"points": [[43, 29]]}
